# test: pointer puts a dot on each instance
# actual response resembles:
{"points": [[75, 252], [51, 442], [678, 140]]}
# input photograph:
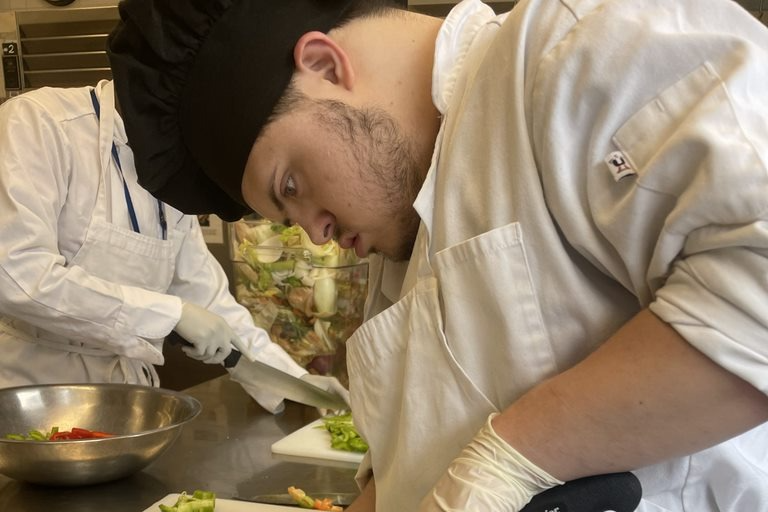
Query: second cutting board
{"points": [[312, 444]]}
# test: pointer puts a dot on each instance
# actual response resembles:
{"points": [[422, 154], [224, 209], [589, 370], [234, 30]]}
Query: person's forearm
{"points": [[646, 395]]}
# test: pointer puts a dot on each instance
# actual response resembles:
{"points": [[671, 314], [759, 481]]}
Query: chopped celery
{"points": [[344, 435], [33, 435], [198, 501]]}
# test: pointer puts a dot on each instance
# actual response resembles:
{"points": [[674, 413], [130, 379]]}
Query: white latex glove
{"points": [[210, 337], [488, 475], [330, 384]]}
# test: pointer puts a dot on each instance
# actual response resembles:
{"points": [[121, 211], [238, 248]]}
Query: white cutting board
{"points": [[313, 445], [223, 505]]}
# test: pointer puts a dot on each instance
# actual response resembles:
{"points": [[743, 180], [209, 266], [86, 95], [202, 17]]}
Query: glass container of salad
{"points": [[308, 297]]}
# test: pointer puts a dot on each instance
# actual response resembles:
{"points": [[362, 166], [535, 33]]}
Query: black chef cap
{"points": [[196, 81]]}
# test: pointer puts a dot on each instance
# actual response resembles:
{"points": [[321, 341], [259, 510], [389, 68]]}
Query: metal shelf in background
{"points": [[64, 47]]}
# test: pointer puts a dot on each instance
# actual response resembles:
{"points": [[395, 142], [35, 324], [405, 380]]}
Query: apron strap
{"points": [[131, 371], [32, 334]]}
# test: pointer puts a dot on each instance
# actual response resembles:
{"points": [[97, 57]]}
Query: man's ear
{"points": [[318, 54]]}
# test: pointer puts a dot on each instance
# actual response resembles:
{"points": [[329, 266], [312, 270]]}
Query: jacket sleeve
{"points": [[38, 175], [684, 229]]}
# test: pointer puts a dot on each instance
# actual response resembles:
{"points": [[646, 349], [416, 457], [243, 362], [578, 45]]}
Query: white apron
{"points": [[32, 355], [403, 370]]}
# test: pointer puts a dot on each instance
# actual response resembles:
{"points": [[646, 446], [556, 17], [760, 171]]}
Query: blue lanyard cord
{"points": [[128, 200], [161, 215]]}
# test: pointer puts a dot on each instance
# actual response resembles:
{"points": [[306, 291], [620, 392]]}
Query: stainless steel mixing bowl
{"points": [[145, 421]]}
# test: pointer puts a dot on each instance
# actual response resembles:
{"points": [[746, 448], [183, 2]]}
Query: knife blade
{"points": [[280, 383], [341, 499]]}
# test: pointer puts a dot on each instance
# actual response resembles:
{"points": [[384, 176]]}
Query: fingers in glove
{"points": [[209, 354], [208, 334], [219, 356]]}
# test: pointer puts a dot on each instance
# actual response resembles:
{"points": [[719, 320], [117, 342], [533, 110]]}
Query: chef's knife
{"points": [[617, 492], [280, 383], [342, 499], [271, 379]]}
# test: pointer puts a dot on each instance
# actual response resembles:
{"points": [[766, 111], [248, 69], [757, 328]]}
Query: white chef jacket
{"points": [[58, 180], [595, 157]]}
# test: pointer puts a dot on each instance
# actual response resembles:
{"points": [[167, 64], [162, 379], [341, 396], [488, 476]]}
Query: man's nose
{"points": [[322, 229]]}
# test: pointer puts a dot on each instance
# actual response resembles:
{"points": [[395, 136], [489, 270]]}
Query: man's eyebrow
{"points": [[273, 197]]}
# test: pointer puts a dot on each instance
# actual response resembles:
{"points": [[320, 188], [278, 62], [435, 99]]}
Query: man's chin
{"points": [[403, 253]]}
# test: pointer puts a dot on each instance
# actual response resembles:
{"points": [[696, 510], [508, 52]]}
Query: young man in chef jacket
{"points": [[565, 207]]}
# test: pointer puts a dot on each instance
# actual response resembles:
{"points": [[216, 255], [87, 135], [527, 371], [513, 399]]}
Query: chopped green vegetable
{"points": [[198, 501], [301, 498], [33, 435], [304, 501], [344, 435]]}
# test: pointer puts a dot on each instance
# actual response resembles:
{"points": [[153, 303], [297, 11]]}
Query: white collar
{"points": [[453, 42], [106, 94]]}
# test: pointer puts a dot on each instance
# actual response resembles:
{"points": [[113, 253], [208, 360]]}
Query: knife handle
{"points": [[231, 360], [619, 492]]}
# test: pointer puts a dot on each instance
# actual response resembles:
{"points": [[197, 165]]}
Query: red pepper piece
{"points": [[100, 435], [79, 433]]}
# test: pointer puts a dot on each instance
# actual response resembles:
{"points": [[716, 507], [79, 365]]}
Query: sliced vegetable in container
{"points": [[308, 297]]}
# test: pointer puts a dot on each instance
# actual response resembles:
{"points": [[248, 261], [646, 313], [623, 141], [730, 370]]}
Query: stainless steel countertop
{"points": [[226, 449]]}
